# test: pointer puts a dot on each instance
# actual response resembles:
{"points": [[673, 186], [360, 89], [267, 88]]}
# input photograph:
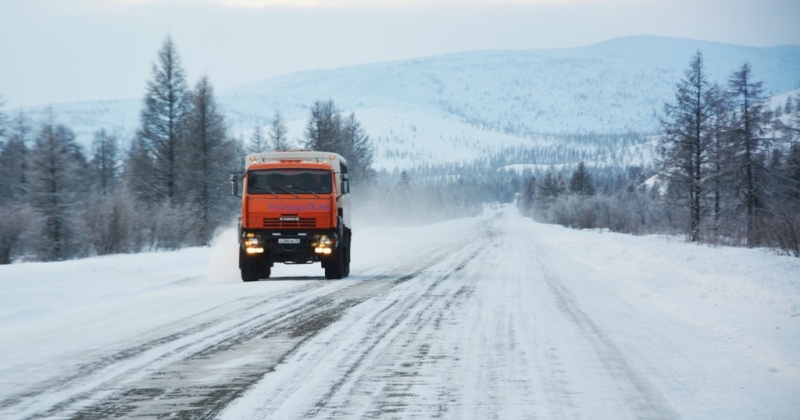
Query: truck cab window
{"points": [[289, 181]]}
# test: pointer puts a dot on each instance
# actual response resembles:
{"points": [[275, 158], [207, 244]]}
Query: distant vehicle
{"points": [[295, 210]]}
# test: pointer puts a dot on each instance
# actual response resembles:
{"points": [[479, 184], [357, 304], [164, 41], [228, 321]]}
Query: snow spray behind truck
{"points": [[295, 210]]}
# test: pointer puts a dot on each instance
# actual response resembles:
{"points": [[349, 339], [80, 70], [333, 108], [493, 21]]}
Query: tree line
{"points": [[328, 130], [168, 190], [727, 171], [728, 162]]}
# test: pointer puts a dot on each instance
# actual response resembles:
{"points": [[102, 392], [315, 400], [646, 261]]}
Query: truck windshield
{"points": [[289, 181]]}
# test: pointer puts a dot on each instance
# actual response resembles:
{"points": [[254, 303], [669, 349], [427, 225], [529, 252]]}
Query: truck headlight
{"points": [[252, 245], [324, 245]]}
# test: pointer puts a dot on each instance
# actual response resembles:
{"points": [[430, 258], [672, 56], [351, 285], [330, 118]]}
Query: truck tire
{"points": [[346, 262], [334, 269], [252, 269], [252, 272], [249, 271]]}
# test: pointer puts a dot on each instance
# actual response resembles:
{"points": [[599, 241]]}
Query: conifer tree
{"points": [[104, 164], [323, 127], [551, 186], [527, 197], [208, 155], [15, 213], [581, 182], [108, 218], [137, 174], [748, 99], [14, 157], [719, 152], [684, 147], [327, 131], [162, 119], [3, 121], [257, 141], [278, 133], [357, 149], [791, 173], [58, 179]]}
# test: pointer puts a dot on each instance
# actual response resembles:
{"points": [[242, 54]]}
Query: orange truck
{"points": [[295, 210]]}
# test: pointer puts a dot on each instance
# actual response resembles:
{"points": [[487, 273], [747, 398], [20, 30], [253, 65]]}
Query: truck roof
{"points": [[310, 156]]}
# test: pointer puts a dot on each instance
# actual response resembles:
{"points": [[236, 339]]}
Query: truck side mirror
{"points": [[345, 183], [235, 185]]}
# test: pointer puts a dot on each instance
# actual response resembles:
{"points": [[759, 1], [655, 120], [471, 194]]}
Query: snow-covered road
{"points": [[488, 317]]}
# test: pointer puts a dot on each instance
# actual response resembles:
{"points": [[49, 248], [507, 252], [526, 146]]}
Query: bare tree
{"points": [[109, 223]]}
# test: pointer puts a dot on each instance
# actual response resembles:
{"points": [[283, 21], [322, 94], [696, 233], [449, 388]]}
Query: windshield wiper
{"points": [[252, 189], [285, 191], [304, 190]]}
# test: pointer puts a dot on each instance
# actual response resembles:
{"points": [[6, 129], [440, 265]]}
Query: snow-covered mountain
{"points": [[615, 86], [459, 106]]}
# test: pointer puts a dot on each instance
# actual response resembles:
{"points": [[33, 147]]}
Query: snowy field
{"points": [[489, 317]]}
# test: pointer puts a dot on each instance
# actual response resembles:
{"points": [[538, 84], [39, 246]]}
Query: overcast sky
{"points": [[54, 51]]}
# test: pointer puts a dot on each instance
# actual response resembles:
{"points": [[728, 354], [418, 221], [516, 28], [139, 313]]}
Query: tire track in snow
{"points": [[497, 371], [178, 372], [377, 350], [397, 316], [639, 396], [63, 395]]}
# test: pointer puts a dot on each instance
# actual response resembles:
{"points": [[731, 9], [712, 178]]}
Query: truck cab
{"points": [[295, 210]]}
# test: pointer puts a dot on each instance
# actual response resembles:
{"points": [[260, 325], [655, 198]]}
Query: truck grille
{"points": [[304, 222]]}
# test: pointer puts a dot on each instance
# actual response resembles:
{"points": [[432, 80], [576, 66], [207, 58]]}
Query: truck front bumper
{"points": [[289, 246]]}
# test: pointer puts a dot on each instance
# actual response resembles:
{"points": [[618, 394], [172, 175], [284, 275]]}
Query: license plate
{"points": [[289, 240]]}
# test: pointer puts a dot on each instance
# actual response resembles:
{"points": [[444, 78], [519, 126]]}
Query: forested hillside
{"points": [[450, 132]]}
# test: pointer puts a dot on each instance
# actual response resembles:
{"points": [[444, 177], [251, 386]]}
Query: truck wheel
{"points": [[250, 271], [335, 267], [252, 268], [346, 262]]}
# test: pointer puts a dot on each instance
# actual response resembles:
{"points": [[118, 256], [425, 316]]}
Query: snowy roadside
{"points": [[723, 324], [726, 320]]}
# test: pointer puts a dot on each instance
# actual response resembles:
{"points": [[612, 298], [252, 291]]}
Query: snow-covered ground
{"points": [[489, 317]]}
